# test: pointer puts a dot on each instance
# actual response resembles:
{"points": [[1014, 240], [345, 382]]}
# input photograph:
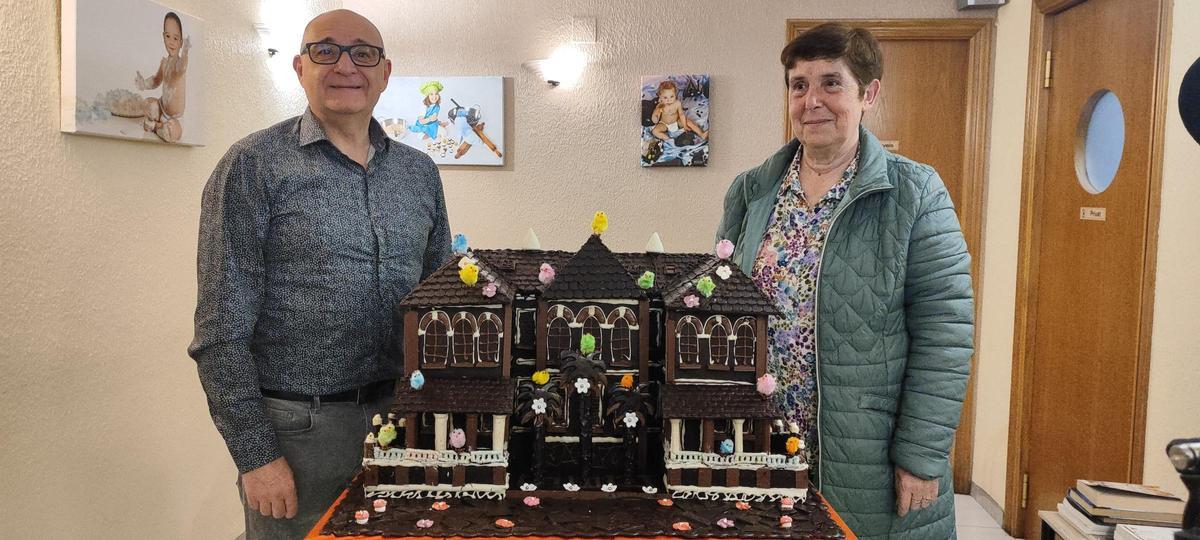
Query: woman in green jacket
{"points": [[862, 251]]}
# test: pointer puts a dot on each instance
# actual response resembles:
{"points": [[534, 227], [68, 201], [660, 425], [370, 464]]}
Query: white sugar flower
{"points": [[631, 420], [649, 490], [539, 406], [608, 488], [463, 262], [793, 427], [571, 487], [724, 271], [583, 385], [528, 487]]}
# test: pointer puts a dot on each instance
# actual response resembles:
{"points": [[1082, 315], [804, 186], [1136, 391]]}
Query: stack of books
{"points": [[1096, 508]]}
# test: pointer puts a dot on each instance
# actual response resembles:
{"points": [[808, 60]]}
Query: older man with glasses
{"points": [[310, 232]]}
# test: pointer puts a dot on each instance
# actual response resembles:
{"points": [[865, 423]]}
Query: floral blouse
{"points": [[786, 269]]}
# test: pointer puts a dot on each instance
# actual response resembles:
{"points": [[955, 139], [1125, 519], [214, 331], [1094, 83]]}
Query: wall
{"points": [[105, 428], [1172, 401]]}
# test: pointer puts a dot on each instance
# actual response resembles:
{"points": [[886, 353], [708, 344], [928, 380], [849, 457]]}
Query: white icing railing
{"points": [[408, 457], [687, 458]]}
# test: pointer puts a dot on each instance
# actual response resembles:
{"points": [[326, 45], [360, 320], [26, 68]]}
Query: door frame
{"points": [[1032, 171], [978, 34]]}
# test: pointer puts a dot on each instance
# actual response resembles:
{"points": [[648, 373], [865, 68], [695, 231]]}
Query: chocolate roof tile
{"points": [[520, 267], [716, 401], [444, 288], [593, 272], [488, 396], [668, 268], [737, 295]]}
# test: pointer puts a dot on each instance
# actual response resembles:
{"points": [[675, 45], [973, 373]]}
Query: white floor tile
{"points": [[967, 511], [982, 533]]}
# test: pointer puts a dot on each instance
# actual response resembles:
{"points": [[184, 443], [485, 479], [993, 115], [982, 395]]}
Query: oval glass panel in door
{"points": [[1099, 141]]}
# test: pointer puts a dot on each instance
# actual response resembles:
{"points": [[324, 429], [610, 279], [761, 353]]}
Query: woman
{"points": [[863, 253]]}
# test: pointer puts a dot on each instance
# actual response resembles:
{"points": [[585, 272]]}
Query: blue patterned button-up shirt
{"points": [[303, 255]]}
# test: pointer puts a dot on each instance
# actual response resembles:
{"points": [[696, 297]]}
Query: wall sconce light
{"points": [[566, 64]]}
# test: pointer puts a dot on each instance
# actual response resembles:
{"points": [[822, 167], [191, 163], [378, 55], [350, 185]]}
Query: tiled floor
{"points": [[974, 523]]}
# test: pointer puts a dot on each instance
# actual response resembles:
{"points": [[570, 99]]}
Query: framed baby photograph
{"points": [[675, 120], [455, 120], [132, 69]]}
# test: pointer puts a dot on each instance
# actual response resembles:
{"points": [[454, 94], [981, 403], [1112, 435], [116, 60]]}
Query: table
{"points": [[1054, 524], [315, 533]]}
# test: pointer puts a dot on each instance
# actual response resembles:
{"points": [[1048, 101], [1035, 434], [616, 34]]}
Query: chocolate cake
{"points": [[584, 394]]}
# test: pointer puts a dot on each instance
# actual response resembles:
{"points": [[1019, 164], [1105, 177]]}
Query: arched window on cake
{"points": [[590, 319], [743, 345], [558, 332], [687, 338], [464, 340], [434, 333], [490, 334], [621, 323], [720, 332]]}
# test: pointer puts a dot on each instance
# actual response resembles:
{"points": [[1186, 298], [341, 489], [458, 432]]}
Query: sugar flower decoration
{"points": [[724, 523], [458, 438], [691, 301], [666, 502], [646, 280], [469, 275], [706, 286], [599, 223], [583, 385], [793, 445], [627, 380], [489, 290], [742, 505], [727, 446], [424, 523], [631, 420], [681, 526], [440, 506], [793, 427], [531, 501], [787, 503], [539, 406], [724, 249], [785, 522], [459, 244], [376, 420], [649, 490], [361, 517], [528, 487], [724, 271], [504, 523], [766, 384], [546, 274], [608, 488], [571, 487], [587, 344], [417, 380], [465, 260], [380, 505], [541, 377]]}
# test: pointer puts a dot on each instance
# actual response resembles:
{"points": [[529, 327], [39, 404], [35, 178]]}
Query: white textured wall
{"points": [[104, 428], [1173, 404]]}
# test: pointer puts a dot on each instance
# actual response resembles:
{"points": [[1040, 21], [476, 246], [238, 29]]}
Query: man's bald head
{"points": [[319, 29]]}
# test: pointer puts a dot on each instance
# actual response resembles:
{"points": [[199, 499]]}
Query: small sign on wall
{"points": [[1092, 214]]}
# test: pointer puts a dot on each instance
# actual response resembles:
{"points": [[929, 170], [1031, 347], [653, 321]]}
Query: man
{"points": [[310, 232]]}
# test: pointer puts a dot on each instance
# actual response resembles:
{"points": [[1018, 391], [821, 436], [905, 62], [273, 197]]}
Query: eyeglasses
{"points": [[326, 53]]}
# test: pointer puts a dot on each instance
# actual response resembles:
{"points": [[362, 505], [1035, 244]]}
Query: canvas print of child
{"points": [[127, 69], [675, 120], [456, 120]]}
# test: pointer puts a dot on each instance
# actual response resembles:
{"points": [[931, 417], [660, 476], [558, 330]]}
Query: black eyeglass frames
{"points": [[322, 52]]}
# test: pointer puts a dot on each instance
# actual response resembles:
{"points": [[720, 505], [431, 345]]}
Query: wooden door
{"points": [[932, 109], [1084, 298]]}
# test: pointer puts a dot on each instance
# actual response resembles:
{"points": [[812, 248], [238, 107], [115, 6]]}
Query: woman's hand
{"points": [[913, 493]]}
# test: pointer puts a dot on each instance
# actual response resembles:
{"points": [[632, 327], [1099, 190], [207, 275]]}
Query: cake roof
{"points": [[715, 401], [459, 395], [593, 272], [520, 266], [668, 268], [444, 288], [736, 295]]}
